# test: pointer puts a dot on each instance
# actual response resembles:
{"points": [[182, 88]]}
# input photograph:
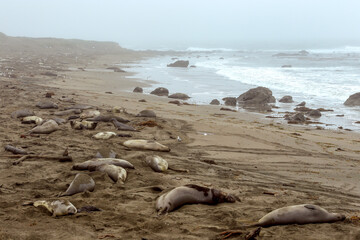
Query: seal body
{"points": [[46, 128], [58, 207], [114, 172], [100, 161], [46, 105], [190, 194], [122, 126], [146, 145], [22, 113], [146, 113], [104, 135], [32, 119], [81, 183], [90, 114], [83, 125], [157, 163], [299, 214], [67, 112], [108, 118]]}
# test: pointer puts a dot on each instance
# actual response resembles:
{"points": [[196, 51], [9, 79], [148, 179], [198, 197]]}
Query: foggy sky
{"points": [[154, 24]]}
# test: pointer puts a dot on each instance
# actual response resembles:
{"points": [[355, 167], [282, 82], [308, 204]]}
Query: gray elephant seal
{"points": [[100, 161], [122, 126], [67, 112], [299, 214], [81, 183], [46, 128], [57, 207], [146, 113], [190, 194], [114, 172], [22, 113], [157, 163], [46, 105], [146, 145]]}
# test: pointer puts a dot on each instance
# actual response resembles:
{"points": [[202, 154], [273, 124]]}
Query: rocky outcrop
{"points": [[296, 118], [230, 101], [181, 96], [286, 99], [179, 63], [353, 100], [215, 102], [302, 104], [302, 109], [138, 90], [257, 99], [315, 113], [160, 91]]}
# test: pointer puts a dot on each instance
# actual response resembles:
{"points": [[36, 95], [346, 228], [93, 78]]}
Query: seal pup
{"points": [[81, 183], [146, 145], [57, 207], [146, 113], [100, 161], [299, 214], [83, 125], [67, 112], [22, 113], [190, 194], [47, 127], [122, 126], [104, 135], [32, 119], [46, 105], [114, 172], [157, 163], [90, 114]]}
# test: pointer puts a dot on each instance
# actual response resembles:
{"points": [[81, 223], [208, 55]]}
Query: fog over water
{"points": [[159, 24]]}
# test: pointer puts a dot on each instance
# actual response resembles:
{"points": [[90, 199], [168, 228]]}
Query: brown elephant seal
{"points": [[100, 161], [47, 105], [146, 113], [67, 112], [191, 194], [77, 125], [89, 114], [48, 127], [114, 172], [32, 119], [107, 118], [104, 135], [81, 183], [157, 163], [57, 207], [146, 145], [122, 126], [22, 113], [299, 214]]}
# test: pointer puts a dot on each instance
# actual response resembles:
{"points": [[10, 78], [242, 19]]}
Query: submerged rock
{"points": [[179, 63]]}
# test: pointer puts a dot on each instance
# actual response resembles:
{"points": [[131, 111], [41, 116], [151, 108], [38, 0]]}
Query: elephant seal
{"points": [[81, 183], [114, 172], [157, 163], [83, 125], [146, 145], [22, 113], [190, 194], [90, 114], [146, 113], [299, 214], [59, 120], [100, 161], [32, 119], [46, 128], [107, 118], [79, 106], [104, 135], [57, 207], [122, 126], [47, 105], [67, 112]]}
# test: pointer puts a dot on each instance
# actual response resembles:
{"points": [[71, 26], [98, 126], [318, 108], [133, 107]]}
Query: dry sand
{"points": [[265, 164]]}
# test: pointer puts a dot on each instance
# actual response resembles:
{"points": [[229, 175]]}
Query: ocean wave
{"points": [[198, 49]]}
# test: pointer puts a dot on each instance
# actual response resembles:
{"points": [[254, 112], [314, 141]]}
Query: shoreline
{"points": [[239, 153]]}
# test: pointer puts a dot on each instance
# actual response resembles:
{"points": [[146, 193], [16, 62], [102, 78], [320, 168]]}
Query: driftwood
{"points": [[59, 158]]}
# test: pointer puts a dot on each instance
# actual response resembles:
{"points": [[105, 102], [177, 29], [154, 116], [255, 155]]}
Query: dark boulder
{"points": [[179, 63], [257, 99], [215, 102], [286, 99], [296, 118], [302, 109], [302, 104], [315, 113], [230, 101], [138, 90], [181, 96], [160, 91], [286, 66], [116, 69], [353, 100]]}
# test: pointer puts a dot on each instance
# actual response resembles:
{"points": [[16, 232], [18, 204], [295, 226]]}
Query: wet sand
{"points": [[265, 164]]}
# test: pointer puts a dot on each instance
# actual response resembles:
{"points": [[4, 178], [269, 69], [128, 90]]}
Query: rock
{"points": [[181, 96], [302, 109], [138, 90], [325, 110], [302, 104], [314, 113], [177, 102], [303, 53], [142, 100], [227, 109], [286, 66], [49, 94], [296, 118], [46, 105], [193, 66], [230, 101], [146, 113], [286, 99], [215, 102], [257, 99], [353, 100], [116, 69], [179, 63], [160, 91]]}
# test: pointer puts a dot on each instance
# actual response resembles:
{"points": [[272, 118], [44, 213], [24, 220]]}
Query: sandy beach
{"points": [[265, 164]]}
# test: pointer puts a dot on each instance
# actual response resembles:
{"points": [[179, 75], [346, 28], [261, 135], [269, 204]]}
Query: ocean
{"points": [[323, 78]]}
